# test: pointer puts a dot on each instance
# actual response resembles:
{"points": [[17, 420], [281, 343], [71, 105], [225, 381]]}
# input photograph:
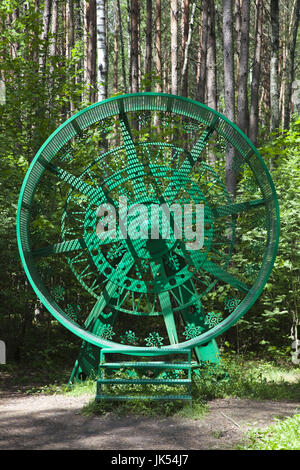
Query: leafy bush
{"points": [[267, 326]]}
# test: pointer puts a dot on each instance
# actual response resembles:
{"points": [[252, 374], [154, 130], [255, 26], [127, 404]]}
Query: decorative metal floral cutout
{"points": [[191, 330], [107, 332], [154, 340], [58, 293], [73, 312], [231, 303], [213, 319], [129, 337]]}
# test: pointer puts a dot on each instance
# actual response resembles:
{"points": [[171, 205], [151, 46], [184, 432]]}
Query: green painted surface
{"points": [[151, 149]]}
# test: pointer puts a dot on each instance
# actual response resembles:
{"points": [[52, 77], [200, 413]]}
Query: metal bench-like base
{"points": [[155, 366]]}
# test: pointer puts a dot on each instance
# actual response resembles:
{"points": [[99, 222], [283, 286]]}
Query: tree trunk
{"points": [[211, 74], [185, 7], [70, 44], [129, 42], [174, 46], [158, 45], [90, 49], [229, 89], [134, 46], [184, 83], [45, 33], [201, 66], [101, 50], [211, 77], [274, 92], [116, 53], [70, 29], [148, 55], [122, 47], [253, 118], [242, 97], [290, 72], [237, 22]]}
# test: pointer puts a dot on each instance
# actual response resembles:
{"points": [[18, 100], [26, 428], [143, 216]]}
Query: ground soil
{"points": [[55, 422]]}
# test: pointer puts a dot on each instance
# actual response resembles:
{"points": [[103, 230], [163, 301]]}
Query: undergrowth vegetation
{"points": [[236, 377], [283, 435]]}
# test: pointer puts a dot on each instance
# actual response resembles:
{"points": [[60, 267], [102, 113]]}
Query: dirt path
{"points": [[52, 422]]}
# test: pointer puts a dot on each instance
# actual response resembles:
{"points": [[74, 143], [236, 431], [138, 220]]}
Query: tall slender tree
{"points": [[290, 71], [45, 33], [174, 46], [185, 11], [229, 89], [90, 49], [134, 46], [158, 45], [148, 52], [184, 76], [242, 97], [122, 47], [274, 91], [202, 50], [116, 52], [255, 82], [211, 74], [101, 49]]}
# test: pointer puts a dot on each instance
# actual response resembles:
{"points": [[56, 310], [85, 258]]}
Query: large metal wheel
{"points": [[150, 149]]}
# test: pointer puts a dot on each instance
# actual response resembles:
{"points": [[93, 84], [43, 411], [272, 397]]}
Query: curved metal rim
{"points": [[241, 309]]}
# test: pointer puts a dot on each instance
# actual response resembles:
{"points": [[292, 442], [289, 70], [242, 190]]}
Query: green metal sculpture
{"points": [[125, 166]]}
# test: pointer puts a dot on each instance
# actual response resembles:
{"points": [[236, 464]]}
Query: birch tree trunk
{"points": [[53, 42], [45, 33], [242, 97], [129, 42], [237, 22], [274, 91], [184, 83], [101, 50], [229, 89], [174, 46], [255, 82]]}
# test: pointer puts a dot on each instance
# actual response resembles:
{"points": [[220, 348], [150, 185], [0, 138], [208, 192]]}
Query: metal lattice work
{"points": [[135, 292]]}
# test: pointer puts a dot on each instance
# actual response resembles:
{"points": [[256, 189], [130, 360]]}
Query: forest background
{"points": [[236, 56]]}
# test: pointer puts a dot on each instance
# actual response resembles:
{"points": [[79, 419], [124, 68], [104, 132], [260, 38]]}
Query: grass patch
{"points": [[257, 380], [236, 377], [283, 435]]}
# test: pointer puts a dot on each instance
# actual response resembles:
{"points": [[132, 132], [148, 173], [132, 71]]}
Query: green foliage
{"points": [[37, 99], [283, 435], [235, 377], [267, 326]]}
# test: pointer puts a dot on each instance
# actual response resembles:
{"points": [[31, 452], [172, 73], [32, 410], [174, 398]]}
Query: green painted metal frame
{"points": [[180, 366], [204, 344]]}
